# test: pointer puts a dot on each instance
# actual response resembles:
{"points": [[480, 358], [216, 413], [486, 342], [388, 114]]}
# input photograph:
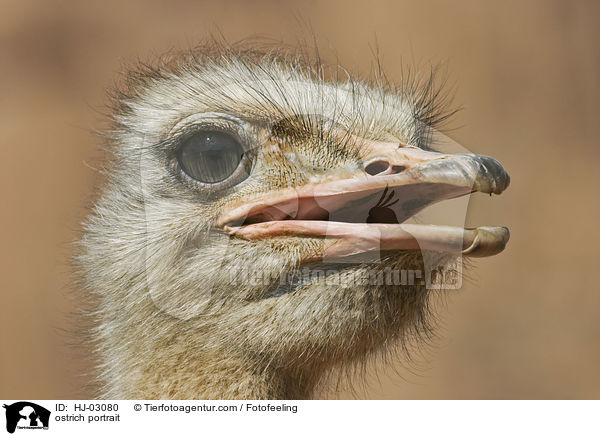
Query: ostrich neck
{"points": [[211, 377], [152, 356]]}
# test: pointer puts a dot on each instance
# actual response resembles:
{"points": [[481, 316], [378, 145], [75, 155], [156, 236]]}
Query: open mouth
{"points": [[367, 211]]}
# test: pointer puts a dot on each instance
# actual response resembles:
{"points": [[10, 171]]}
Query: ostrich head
{"points": [[248, 205]]}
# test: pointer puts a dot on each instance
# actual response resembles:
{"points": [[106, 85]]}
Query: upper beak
{"points": [[362, 209], [476, 172]]}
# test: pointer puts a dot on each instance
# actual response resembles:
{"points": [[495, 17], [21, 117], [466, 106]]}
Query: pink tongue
{"points": [[297, 208]]}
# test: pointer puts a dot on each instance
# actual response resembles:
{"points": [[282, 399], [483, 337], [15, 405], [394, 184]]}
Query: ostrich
{"points": [[238, 177]]}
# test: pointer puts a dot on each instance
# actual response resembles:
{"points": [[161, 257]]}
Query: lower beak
{"points": [[364, 211]]}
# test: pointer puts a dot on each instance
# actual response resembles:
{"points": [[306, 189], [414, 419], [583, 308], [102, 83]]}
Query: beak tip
{"points": [[489, 241], [491, 177]]}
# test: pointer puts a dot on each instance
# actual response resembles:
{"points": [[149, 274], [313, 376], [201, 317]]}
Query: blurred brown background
{"points": [[527, 72]]}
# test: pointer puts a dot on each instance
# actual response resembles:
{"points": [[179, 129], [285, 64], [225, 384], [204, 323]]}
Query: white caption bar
{"points": [[299, 417]]}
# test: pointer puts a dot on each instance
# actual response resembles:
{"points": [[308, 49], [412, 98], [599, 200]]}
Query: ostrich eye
{"points": [[210, 156]]}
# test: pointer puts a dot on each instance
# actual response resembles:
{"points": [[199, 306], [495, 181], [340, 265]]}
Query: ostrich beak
{"points": [[364, 209]]}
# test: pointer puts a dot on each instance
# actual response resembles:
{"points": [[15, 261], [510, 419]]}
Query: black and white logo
{"points": [[26, 415]]}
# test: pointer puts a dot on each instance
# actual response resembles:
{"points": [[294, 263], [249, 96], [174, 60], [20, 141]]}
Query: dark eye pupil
{"points": [[210, 157]]}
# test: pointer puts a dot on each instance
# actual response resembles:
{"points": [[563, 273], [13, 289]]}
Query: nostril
{"points": [[382, 167], [377, 167]]}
